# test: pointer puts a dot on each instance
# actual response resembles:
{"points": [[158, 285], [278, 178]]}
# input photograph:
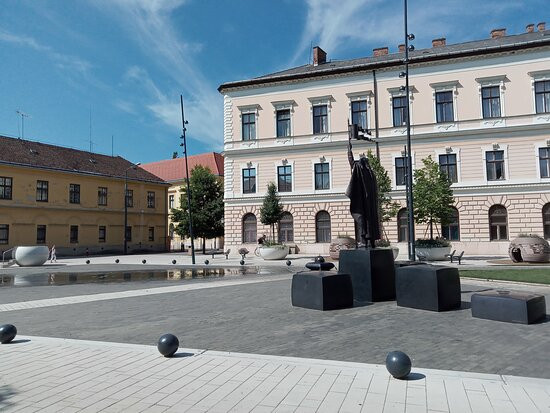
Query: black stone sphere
{"points": [[288, 262], [168, 344], [173, 261], [398, 364], [87, 261], [7, 333], [143, 261], [206, 262], [117, 260], [242, 262]]}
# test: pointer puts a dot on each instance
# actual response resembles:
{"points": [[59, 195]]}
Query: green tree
{"points": [[271, 211], [206, 206], [432, 195], [387, 207]]}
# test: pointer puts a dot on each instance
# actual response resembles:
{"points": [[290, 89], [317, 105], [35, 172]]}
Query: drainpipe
{"points": [[376, 128]]}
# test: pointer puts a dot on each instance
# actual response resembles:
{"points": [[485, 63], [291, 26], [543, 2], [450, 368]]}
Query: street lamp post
{"points": [[126, 206]]}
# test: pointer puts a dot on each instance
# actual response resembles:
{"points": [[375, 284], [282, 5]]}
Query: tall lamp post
{"points": [[126, 205], [184, 145]]}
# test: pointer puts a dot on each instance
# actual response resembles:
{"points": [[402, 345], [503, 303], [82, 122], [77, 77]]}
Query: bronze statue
{"points": [[363, 194]]}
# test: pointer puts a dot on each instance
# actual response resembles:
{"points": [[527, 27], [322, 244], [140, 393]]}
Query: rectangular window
{"points": [[249, 126], [42, 191], [542, 96], [495, 165], [490, 100], [150, 199], [249, 181], [359, 113], [544, 162], [320, 119], [6, 186], [4, 233], [400, 170], [74, 234], [151, 233], [283, 122], [447, 165], [444, 106], [399, 105], [74, 193], [322, 176], [128, 234], [284, 178], [171, 201], [102, 233], [41, 234], [129, 198], [102, 195]]}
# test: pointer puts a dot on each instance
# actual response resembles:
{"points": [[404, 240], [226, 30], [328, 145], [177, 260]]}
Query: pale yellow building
{"points": [[480, 108], [74, 199]]}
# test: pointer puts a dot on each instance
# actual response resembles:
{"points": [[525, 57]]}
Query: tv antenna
{"points": [[23, 116]]}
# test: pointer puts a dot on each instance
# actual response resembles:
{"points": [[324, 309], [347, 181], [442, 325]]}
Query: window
{"points": [[129, 198], [102, 195], [128, 233], [6, 184], [490, 101], [451, 230], [546, 220], [151, 233], [42, 191], [320, 119], [498, 223], [322, 175], [544, 162], [249, 126], [150, 199], [74, 193], [102, 233], [495, 165], [359, 113], [41, 234], [284, 178], [542, 96], [402, 225], [322, 226], [73, 234], [399, 104], [286, 228], [4, 233], [249, 229], [249, 181], [171, 201], [447, 165], [444, 106], [283, 122], [400, 170]]}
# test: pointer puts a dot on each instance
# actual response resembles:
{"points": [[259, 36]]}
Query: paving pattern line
{"points": [[87, 298]]}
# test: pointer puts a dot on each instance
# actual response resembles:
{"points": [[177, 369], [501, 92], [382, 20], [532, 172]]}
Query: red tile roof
{"points": [[174, 169]]}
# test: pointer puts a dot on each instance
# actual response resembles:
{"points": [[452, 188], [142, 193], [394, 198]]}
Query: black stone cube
{"points": [[428, 287], [372, 273], [509, 306], [322, 290]]}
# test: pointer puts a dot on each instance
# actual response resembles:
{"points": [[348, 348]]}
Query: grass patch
{"points": [[528, 275]]}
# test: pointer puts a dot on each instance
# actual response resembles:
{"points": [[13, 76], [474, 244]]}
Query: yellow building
{"points": [[74, 200]]}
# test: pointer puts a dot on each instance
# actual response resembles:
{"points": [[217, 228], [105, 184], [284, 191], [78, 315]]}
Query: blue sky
{"points": [[127, 61]]}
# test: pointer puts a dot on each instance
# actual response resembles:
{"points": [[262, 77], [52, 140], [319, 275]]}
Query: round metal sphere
{"points": [[206, 262], [7, 333], [168, 344], [117, 260], [242, 262], [398, 364], [288, 262], [173, 261], [143, 261], [87, 261]]}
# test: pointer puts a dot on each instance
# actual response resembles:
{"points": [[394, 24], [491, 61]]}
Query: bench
{"points": [[509, 306], [226, 253], [453, 256]]}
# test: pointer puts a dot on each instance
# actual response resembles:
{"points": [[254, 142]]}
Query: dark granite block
{"points": [[509, 306], [428, 287], [322, 290], [372, 273]]}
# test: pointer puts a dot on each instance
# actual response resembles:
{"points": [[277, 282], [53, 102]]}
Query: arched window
{"points": [[322, 227], [249, 229], [498, 227], [546, 220], [286, 228], [402, 225], [451, 230]]}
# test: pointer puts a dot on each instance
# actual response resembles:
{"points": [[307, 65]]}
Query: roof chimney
{"points": [[541, 26], [380, 51], [530, 28], [401, 48], [319, 56], [495, 33], [439, 42]]}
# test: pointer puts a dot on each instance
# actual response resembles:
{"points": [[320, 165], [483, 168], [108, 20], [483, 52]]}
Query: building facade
{"points": [[73, 199], [481, 109], [173, 171]]}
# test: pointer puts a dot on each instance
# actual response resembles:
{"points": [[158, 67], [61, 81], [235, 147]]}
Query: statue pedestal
{"points": [[372, 273], [322, 290]]}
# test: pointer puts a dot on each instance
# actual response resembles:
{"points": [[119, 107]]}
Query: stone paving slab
{"points": [[61, 375]]}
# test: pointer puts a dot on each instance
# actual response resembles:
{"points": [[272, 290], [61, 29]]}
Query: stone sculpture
{"points": [[529, 248], [168, 345], [398, 364]]}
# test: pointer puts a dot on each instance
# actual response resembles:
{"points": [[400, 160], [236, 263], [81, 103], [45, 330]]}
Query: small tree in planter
{"points": [[271, 211]]}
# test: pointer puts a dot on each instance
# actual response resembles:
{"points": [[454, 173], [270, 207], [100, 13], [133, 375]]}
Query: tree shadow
{"points": [[5, 393]]}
